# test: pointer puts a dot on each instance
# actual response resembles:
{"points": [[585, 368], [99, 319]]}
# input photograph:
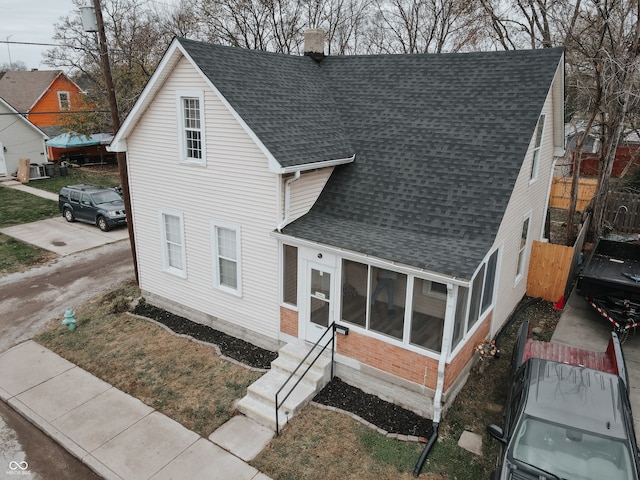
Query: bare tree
{"points": [[606, 38], [136, 43], [424, 26]]}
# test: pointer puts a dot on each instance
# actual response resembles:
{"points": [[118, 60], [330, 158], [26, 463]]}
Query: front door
{"points": [[319, 301]]}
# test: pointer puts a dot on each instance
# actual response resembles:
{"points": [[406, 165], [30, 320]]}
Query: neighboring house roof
{"points": [[23, 89], [22, 119], [439, 140], [73, 139]]}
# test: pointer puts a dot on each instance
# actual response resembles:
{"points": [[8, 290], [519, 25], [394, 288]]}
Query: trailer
{"points": [[610, 282]]}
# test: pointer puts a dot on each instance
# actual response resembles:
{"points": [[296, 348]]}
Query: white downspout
{"points": [[287, 200], [447, 334]]}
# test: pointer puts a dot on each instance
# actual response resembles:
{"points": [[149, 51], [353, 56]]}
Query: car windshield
{"points": [[570, 453], [107, 196]]}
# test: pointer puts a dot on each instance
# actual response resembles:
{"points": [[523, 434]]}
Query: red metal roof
{"points": [[559, 352]]}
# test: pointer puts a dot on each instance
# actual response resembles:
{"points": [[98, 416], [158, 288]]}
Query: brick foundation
{"points": [[289, 321]]}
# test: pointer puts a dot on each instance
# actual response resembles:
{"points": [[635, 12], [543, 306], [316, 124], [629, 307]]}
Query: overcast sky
{"points": [[30, 21]]}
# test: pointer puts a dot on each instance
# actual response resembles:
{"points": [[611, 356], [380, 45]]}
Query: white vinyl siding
{"points": [[305, 191], [173, 247], [191, 124], [527, 198], [226, 254], [234, 186], [20, 139]]}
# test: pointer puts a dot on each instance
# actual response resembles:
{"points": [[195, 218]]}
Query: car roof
{"points": [[86, 187], [578, 397]]}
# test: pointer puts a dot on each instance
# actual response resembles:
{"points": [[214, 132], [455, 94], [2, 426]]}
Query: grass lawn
{"points": [[184, 380], [105, 175], [188, 382], [17, 208]]}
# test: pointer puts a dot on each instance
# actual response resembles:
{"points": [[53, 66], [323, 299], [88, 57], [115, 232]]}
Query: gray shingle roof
{"points": [[21, 89], [439, 141]]}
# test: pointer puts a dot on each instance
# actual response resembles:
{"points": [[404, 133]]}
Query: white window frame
{"points": [[182, 95], [522, 249], [429, 291], [60, 101], [535, 162], [166, 266], [215, 225]]}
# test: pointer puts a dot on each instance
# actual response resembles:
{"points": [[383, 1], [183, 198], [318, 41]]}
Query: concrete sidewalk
{"points": [[27, 189], [115, 434]]}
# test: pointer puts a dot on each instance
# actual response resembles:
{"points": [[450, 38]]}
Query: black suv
{"points": [[101, 206]]}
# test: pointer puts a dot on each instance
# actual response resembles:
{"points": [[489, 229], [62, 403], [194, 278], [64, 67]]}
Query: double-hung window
{"points": [[523, 248], [191, 126], [63, 101], [173, 246], [227, 266], [536, 149]]}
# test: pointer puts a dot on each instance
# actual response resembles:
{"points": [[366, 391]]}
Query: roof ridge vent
{"points": [[314, 44]]}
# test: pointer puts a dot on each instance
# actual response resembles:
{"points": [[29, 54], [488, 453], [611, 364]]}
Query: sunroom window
{"points": [[387, 302], [427, 317]]}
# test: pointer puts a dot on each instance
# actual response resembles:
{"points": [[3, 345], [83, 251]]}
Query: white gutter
{"points": [[276, 168], [287, 200]]}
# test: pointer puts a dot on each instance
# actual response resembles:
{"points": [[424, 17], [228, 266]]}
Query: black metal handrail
{"points": [[331, 328]]}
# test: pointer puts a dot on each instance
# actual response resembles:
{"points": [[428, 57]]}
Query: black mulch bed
{"points": [[384, 415], [231, 347]]}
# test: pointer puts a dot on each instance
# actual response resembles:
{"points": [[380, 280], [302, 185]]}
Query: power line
{"points": [[55, 113], [33, 43]]}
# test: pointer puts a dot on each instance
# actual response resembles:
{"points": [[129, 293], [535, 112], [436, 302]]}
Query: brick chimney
{"points": [[314, 44]]}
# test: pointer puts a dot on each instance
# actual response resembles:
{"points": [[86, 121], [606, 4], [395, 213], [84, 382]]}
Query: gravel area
{"points": [[384, 415]]}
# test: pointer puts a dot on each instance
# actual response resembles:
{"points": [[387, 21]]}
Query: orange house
{"points": [[43, 96]]}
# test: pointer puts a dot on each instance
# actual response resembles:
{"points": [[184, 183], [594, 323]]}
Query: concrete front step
{"points": [[265, 388], [318, 377], [259, 403], [261, 412], [298, 352]]}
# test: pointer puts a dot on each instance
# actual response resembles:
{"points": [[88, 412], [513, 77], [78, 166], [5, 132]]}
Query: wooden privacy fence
{"points": [[561, 192], [549, 269], [623, 212]]}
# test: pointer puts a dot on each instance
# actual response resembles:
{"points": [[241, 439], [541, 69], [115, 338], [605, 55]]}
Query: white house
{"points": [[396, 195], [19, 138]]}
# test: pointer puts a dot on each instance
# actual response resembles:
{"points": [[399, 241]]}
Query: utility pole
{"points": [[115, 123], [9, 52]]}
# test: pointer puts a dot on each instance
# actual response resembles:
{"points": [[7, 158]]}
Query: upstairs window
{"points": [[191, 125], [63, 101], [536, 150]]}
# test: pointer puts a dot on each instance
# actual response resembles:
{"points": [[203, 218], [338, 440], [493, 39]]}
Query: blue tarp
{"points": [[72, 140]]}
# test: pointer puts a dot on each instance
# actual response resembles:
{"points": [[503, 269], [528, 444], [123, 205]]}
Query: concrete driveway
{"points": [[64, 238], [581, 326]]}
